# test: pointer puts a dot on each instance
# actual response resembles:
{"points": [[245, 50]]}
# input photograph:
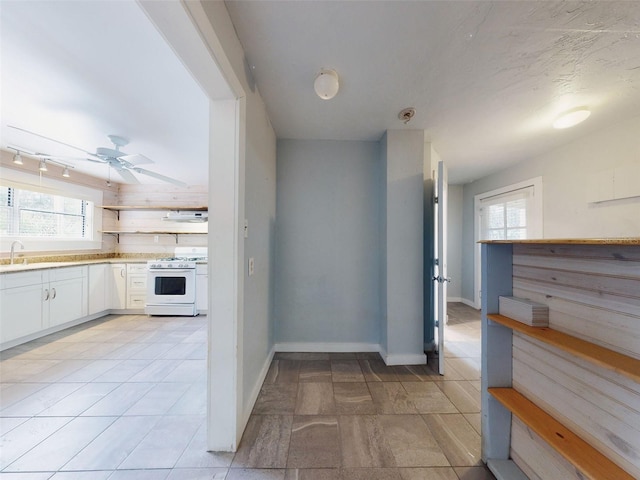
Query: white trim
{"points": [[536, 227], [454, 299], [251, 401], [331, 347], [405, 359]]}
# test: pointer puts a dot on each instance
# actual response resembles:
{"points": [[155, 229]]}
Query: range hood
{"points": [[186, 216]]}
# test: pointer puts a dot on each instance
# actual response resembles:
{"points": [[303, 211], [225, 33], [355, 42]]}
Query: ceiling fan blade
{"points": [[160, 177], [127, 175], [136, 159], [52, 140]]}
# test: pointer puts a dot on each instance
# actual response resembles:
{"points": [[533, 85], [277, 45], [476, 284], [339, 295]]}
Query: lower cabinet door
{"points": [[21, 311], [67, 301]]}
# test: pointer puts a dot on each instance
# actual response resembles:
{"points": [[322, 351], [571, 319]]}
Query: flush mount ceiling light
{"points": [[43, 166], [326, 84], [571, 118]]}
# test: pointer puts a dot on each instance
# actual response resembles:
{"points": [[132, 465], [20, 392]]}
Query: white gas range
{"points": [[171, 282]]}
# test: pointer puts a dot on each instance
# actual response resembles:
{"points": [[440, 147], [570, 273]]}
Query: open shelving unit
{"points": [[166, 208], [575, 391]]}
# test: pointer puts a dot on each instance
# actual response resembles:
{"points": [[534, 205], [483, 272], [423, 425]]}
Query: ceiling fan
{"points": [[123, 163]]}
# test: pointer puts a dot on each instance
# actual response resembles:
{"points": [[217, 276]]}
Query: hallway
{"points": [[124, 398]]}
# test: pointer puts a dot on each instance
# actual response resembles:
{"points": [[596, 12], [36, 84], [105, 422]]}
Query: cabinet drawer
{"points": [[133, 268], [137, 282], [136, 301], [67, 273], [21, 279]]}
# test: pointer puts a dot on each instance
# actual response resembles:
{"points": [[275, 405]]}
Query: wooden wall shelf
{"points": [[589, 461], [117, 233], [603, 357], [592, 290]]}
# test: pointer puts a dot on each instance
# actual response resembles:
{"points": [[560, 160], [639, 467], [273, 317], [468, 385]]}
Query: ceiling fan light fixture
{"points": [[17, 158], [326, 84], [43, 166], [571, 118]]}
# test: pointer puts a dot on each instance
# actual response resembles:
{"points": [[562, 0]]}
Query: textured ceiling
{"points": [[486, 78]]}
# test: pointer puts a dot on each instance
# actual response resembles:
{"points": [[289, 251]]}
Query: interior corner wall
{"points": [[328, 246], [454, 242], [405, 155], [382, 235], [565, 173], [429, 242]]}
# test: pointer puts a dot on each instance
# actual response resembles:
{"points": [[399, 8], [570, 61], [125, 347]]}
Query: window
{"points": [[509, 213], [28, 213], [504, 216]]}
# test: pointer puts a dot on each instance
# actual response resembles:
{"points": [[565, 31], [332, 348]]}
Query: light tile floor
{"points": [[124, 397]]}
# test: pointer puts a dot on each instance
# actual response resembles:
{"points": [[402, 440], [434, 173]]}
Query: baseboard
{"points": [[256, 389], [331, 347], [405, 359], [454, 300], [469, 303]]}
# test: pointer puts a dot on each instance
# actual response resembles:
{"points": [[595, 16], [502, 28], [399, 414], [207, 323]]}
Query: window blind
{"points": [[506, 216]]}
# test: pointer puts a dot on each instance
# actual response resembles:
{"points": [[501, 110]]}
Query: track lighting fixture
{"points": [[17, 158], [65, 172], [43, 166]]}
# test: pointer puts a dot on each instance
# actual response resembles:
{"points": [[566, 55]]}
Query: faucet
{"points": [[13, 248]]}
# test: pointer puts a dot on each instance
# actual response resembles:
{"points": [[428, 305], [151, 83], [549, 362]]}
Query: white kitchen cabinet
{"points": [[38, 300], [136, 285], [202, 288], [118, 286], [21, 304], [67, 288], [99, 291]]}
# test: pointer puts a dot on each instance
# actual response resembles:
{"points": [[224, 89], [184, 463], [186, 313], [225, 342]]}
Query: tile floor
{"points": [[124, 398]]}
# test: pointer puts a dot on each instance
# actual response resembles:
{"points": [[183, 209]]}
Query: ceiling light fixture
{"points": [[326, 84], [65, 172], [571, 118], [17, 158], [43, 166]]}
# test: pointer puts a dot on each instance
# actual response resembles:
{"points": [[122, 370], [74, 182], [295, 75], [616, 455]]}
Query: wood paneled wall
{"points": [[145, 220], [593, 292]]}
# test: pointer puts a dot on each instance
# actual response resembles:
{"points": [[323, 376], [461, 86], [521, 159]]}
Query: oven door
{"points": [[171, 286]]}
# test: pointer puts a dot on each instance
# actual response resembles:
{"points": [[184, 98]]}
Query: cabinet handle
{"points": [[46, 294], [53, 294]]}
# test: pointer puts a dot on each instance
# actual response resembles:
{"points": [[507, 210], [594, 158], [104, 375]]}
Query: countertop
{"points": [[20, 267]]}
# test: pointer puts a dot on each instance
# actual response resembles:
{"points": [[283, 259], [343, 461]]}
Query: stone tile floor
{"points": [[125, 398]]}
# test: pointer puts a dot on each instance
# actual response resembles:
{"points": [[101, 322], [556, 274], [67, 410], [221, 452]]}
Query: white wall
{"points": [[565, 174], [454, 242], [328, 247]]}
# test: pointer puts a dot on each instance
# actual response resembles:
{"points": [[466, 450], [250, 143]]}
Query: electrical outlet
{"points": [[251, 266]]}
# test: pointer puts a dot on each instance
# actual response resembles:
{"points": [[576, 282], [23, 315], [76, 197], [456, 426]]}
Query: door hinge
{"points": [[436, 262], [435, 199]]}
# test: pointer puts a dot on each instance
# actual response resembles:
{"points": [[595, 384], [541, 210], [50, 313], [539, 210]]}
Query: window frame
{"points": [[25, 181], [534, 219]]}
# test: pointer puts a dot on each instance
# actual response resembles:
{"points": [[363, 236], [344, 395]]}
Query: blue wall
{"points": [[328, 248]]}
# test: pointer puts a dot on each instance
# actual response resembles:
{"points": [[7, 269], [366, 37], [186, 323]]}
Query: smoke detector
{"points": [[407, 114]]}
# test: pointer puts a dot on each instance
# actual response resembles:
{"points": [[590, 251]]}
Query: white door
{"points": [[440, 278]]}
